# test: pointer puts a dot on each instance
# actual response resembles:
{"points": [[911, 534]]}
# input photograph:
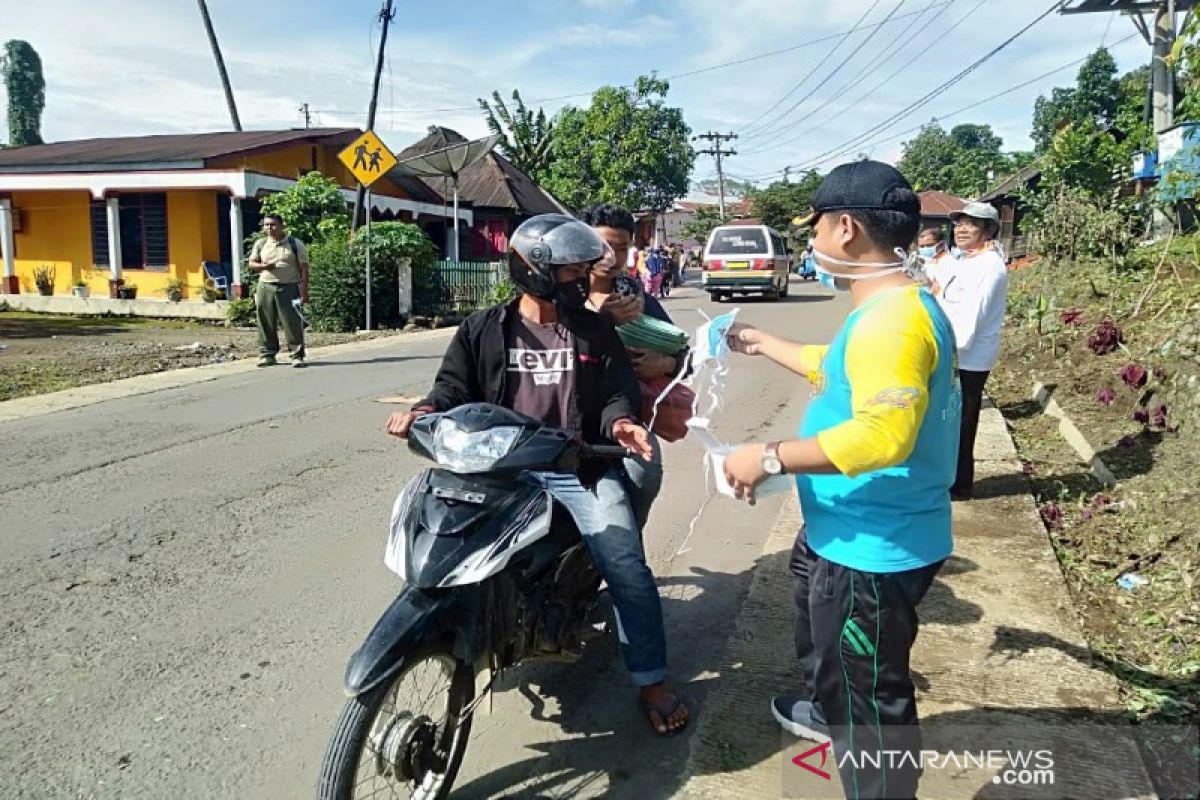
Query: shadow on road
{"points": [[378, 360]]}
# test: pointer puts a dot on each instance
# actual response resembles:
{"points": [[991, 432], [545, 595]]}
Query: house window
{"points": [[143, 231]]}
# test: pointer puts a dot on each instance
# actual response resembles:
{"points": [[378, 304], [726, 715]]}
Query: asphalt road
{"points": [[184, 574]]}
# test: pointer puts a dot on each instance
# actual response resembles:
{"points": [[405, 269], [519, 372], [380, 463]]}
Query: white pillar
{"points": [[236, 235], [404, 286], [10, 284], [1162, 71], [113, 207]]}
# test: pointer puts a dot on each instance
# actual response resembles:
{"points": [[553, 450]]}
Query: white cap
{"points": [[977, 211]]}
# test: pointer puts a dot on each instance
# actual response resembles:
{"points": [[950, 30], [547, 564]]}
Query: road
{"points": [[186, 572]]}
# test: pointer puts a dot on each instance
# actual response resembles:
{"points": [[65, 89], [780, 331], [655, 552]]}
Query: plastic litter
{"points": [[1131, 580]]}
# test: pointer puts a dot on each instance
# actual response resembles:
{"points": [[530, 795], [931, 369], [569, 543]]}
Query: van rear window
{"points": [[736, 243]]}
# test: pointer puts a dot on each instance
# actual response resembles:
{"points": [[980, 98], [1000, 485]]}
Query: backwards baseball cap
{"points": [[861, 186]]}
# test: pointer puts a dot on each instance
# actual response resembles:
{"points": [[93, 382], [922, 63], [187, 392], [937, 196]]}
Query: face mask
{"points": [[573, 295], [928, 252], [830, 282]]}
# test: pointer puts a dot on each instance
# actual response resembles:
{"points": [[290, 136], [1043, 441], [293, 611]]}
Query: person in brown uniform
{"points": [[281, 262]]}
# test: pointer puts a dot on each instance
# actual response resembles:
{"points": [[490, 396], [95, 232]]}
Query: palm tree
{"points": [[527, 136], [216, 50]]}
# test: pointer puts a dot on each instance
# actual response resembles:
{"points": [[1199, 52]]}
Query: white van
{"points": [[746, 259]]}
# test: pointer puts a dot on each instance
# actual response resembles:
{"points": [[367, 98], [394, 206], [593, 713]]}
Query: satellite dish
{"points": [[448, 162]]}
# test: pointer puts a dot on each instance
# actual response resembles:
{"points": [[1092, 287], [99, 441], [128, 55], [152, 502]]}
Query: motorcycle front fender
{"points": [[404, 625]]}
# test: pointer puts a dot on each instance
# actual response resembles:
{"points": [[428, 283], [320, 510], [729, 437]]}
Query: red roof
{"points": [[939, 204]]}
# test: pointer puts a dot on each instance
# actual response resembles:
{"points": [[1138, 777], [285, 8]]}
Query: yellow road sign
{"points": [[368, 158]]}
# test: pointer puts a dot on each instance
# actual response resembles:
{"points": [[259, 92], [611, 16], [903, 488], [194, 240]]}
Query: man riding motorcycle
{"points": [[544, 355]]}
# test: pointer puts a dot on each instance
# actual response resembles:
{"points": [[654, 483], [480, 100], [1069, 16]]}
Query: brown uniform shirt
{"points": [[269, 251]]}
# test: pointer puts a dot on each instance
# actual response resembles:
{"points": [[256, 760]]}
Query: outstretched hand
{"points": [[745, 339], [634, 438]]}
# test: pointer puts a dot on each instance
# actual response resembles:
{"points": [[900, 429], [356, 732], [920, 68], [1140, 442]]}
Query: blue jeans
{"points": [[645, 481], [606, 520]]}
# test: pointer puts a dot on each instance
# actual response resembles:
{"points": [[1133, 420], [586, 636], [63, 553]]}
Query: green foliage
{"points": [[1073, 224], [782, 201], [503, 292], [43, 278], [1095, 98], [699, 227], [1185, 57], [733, 187], [628, 147], [956, 162], [336, 286], [1087, 159], [174, 290], [527, 136], [240, 313], [313, 209], [1132, 118], [26, 90]]}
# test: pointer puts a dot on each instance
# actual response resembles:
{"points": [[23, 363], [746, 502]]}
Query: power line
{"points": [[676, 76], [856, 141], [779, 124], [955, 112], [796, 136], [718, 153], [747, 129]]}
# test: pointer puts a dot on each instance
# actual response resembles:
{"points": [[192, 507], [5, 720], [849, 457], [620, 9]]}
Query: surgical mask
{"points": [[910, 265], [827, 280], [929, 251], [573, 295]]}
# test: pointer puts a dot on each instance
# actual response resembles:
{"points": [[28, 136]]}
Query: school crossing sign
{"points": [[367, 158]]}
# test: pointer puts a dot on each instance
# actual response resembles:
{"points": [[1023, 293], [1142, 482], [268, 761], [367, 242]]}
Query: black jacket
{"points": [[474, 370]]}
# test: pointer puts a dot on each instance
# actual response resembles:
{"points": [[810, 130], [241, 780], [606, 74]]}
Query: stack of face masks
{"points": [[648, 333]]}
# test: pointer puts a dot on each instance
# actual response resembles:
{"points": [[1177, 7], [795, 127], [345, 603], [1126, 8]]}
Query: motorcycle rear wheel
{"points": [[405, 735]]}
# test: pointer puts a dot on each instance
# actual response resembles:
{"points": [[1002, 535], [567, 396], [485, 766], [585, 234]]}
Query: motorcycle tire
{"points": [[352, 747]]}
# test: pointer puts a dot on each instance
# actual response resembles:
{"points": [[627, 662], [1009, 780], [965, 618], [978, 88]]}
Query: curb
{"points": [[1075, 438], [81, 396]]}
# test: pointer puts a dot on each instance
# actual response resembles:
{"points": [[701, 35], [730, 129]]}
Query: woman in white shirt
{"points": [[972, 288]]}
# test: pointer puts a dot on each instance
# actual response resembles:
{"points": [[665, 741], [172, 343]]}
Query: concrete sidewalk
{"points": [[999, 652]]}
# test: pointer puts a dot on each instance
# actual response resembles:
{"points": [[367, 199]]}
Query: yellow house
{"points": [[147, 210]]}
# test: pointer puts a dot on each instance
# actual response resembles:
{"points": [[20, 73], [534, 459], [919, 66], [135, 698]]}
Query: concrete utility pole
{"points": [[386, 15], [716, 151], [307, 114], [216, 51], [1164, 75]]}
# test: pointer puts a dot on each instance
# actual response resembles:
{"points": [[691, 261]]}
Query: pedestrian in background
{"points": [[972, 288], [281, 262]]}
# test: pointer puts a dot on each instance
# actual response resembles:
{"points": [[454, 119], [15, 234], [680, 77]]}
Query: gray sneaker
{"points": [[800, 718], [298, 361], [266, 361]]}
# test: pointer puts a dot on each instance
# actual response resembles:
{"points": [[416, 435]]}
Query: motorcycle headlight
{"points": [[462, 451]]}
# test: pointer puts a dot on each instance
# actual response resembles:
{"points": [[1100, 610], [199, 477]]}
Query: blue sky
{"points": [[142, 66]]}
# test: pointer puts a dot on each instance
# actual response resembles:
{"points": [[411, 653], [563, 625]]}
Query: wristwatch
{"points": [[770, 460]]}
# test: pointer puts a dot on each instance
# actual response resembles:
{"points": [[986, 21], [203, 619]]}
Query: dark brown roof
{"points": [[491, 182], [1019, 179], [939, 204], [176, 151]]}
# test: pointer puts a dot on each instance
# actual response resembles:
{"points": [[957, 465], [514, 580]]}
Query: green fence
{"points": [[455, 287]]}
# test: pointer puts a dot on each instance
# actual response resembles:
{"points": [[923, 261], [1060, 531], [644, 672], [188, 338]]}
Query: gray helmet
{"points": [[546, 242]]}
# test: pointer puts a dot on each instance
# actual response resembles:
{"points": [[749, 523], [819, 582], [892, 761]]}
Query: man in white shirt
{"points": [[972, 288]]}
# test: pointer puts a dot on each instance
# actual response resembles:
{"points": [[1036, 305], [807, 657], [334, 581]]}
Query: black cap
{"points": [[862, 186]]}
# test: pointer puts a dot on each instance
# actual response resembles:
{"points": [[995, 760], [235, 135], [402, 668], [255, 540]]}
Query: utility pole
{"points": [[307, 114], [216, 51], [787, 171], [1163, 74], [716, 151], [386, 15]]}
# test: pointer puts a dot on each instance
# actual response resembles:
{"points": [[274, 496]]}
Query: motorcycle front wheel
{"points": [[405, 737]]}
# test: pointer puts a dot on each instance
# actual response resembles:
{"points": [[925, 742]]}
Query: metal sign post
{"points": [[368, 204]]}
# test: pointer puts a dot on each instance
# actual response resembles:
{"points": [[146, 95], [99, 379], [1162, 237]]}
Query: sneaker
{"points": [[800, 718], [266, 361], [298, 361]]}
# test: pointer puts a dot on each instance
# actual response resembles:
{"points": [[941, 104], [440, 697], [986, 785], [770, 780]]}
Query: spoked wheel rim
{"points": [[412, 735]]}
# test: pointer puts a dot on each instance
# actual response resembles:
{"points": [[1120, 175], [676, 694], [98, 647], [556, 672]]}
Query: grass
{"points": [[1150, 636]]}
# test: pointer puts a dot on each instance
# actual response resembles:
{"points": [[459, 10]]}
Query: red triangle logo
{"points": [[823, 749]]}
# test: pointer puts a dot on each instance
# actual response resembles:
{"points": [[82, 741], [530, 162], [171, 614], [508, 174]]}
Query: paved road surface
{"points": [[185, 573]]}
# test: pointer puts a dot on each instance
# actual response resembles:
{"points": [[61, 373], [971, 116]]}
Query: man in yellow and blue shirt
{"points": [[874, 460]]}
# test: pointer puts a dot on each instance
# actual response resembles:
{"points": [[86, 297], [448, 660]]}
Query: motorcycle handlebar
{"points": [[603, 451]]}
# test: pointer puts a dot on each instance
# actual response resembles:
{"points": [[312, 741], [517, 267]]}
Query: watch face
{"points": [[773, 466]]}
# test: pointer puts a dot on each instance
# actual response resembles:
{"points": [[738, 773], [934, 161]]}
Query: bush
{"points": [[1071, 225], [312, 210], [241, 313], [503, 292], [338, 274]]}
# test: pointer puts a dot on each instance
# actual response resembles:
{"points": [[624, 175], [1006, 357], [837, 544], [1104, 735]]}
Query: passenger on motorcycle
{"points": [[548, 357]]}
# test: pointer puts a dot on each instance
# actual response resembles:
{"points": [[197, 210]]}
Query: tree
{"points": [[627, 147], [312, 209], [1095, 97], [528, 137], [699, 227], [1185, 58], [733, 187], [778, 204], [956, 162], [26, 90]]}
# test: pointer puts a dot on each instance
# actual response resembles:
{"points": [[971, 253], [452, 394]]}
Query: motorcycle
{"points": [[495, 572]]}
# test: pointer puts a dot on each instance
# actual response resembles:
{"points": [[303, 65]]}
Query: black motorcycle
{"points": [[495, 572]]}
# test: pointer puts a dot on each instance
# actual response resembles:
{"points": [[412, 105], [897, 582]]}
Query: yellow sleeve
{"points": [[811, 356], [890, 357]]}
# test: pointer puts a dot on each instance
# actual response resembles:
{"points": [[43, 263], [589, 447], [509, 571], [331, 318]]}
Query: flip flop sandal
{"points": [[664, 713]]}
